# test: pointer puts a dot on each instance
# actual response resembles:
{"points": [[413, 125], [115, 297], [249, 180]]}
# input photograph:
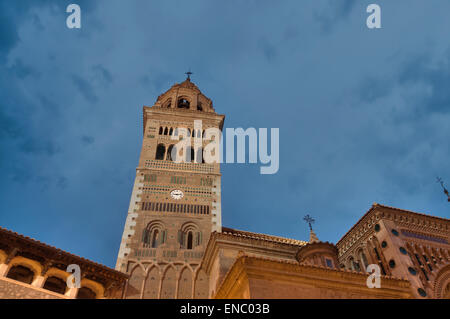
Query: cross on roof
{"points": [[188, 73], [309, 220]]}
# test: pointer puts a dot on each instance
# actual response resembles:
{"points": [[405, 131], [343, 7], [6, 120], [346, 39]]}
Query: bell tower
{"points": [[174, 205]]}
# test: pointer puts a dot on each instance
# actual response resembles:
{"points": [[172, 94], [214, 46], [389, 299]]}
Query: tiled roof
{"points": [[277, 239], [38, 244]]}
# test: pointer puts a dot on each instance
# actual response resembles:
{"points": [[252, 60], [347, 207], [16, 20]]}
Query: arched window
{"points": [[55, 284], [154, 234], [86, 293], [199, 106], [183, 103], [166, 131], [168, 103], [21, 273], [155, 238], [160, 151], [171, 131], [189, 235], [190, 240], [169, 156], [161, 130]]}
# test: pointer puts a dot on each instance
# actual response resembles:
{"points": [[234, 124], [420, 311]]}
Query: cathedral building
{"points": [[174, 244]]}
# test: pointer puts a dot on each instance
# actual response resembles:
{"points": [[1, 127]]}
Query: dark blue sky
{"points": [[364, 115]]}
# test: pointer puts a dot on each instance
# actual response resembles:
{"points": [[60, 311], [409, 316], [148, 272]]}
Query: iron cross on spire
{"points": [[309, 220], [189, 73], [439, 180]]}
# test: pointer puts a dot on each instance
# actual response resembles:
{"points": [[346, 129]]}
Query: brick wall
{"points": [[11, 289]]}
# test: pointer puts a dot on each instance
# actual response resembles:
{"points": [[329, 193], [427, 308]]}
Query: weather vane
{"points": [[439, 180], [309, 220], [189, 73]]}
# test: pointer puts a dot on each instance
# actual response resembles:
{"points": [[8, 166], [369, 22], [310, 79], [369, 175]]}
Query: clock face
{"points": [[176, 194]]}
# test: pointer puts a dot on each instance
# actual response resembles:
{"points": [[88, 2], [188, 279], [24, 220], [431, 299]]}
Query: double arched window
{"points": [[154, 235], [189, 236]]}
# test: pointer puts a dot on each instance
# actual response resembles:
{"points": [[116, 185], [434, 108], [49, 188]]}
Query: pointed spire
{"points": [[313, 237]]}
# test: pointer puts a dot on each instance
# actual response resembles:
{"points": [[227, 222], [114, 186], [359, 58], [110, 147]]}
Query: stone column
{"points": [[71, 293], [38, 282], [3, 269]]}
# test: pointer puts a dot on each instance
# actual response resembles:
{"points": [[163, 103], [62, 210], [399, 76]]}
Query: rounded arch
{"points": [[168, 103], [55, 272], [56, 280], [96, 287], [183, 103], [441, 286], [33, 265], [189, 226], [189, 235], [154, 234]]}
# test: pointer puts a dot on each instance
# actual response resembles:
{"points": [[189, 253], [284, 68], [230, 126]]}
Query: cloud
{"points": [[435, 81], [333, 12], [84, 88], [102, 73], [87, 140]]}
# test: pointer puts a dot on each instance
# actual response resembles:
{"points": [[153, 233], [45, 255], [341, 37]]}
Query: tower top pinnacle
{"points": [[188, 73], [312, 236]]}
